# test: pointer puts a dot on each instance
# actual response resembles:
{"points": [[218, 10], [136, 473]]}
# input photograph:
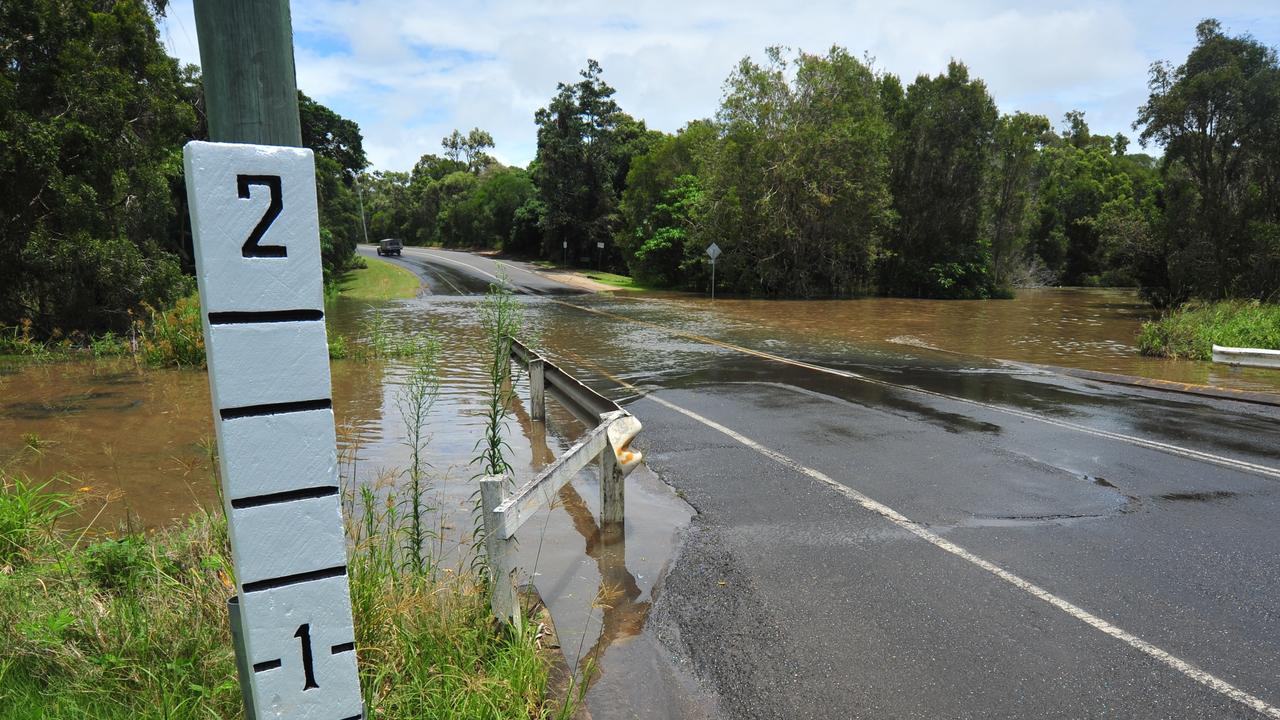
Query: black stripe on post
{"points": [[273, 583], [274, 408], [265, 666], [264, 316], [344, 647], [286, 496]]}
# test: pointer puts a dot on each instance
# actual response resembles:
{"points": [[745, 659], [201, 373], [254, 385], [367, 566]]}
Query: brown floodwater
{"points": [[1085, 328], [134, 443]]}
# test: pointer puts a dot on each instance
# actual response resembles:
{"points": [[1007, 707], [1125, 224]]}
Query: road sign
{"points": [[600, 245], [257, 252], [714, 251]]}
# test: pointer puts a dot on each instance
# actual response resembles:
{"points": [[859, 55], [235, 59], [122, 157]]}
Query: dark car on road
{"points": [[390, 246]]}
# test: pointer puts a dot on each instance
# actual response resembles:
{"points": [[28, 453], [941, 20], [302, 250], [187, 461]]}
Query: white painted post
{"points": [[538, 388], [257, 252], [500, 552], [612, 489]]}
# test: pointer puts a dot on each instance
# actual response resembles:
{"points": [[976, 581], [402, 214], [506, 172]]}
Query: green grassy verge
{"points": [[379, 280], [136, 626], [1191, 331], [622, 282]]}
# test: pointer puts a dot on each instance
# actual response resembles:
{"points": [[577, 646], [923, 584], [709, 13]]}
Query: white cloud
{"points": [[409, 71]]}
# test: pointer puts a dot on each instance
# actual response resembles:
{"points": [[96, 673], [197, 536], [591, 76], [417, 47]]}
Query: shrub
{"points": [[174, 337], [116, 564], [1191, 331]]}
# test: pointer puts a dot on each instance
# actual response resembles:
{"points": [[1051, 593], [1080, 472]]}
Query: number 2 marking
{"points": [[308, 663], [251, 247]]}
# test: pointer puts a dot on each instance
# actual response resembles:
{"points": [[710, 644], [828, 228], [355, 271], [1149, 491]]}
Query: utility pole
{"points": [[360, 194], [246, 61]]}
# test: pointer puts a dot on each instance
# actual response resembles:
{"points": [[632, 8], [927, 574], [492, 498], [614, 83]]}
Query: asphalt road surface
{"points": [[915, 537]]}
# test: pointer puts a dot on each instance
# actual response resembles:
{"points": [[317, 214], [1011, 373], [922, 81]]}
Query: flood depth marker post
{"points": [[257, 250]]}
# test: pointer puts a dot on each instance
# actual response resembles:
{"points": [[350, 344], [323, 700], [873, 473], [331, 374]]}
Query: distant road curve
{"points": [[453, 272]]}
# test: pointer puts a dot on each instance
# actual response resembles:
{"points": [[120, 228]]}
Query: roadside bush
{"points": [[173, 337], [1191, 331], [116, 564]]}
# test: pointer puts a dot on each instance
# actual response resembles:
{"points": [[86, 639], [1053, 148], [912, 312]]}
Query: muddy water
{"points": [[1092, 329], [135, 445], [135, 442]]}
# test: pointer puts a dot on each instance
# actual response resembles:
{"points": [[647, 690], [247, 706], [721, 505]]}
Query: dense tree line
{"points": [[820, 175], [93, 117]]}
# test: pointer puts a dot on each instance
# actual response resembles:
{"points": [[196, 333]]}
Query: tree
{"points": [[331, 135], [942, 141], [1216, 116], [796, 191], [468, 149], [340, 158], [661, 205], [92, 118], [576, 165], [1010, 187]]}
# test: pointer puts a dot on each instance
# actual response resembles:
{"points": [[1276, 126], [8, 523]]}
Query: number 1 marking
{"points": [[251, 248], [308, 664]]}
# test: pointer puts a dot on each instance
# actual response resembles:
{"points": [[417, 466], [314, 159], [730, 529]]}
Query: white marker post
{"points": [[257, 252]]}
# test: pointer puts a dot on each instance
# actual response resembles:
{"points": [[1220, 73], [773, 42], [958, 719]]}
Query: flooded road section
{"points": [[135, 444], [1086, 328]]}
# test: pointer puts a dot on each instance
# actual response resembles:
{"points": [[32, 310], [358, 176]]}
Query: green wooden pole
{"points": [[246, 59]]}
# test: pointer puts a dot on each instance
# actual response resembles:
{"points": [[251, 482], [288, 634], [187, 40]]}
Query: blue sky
{"points": [[409, 71]]}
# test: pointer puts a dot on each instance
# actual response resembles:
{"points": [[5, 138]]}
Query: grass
{"points": [[136, 626], [1191, 331], [622, 282], [379, 280]]}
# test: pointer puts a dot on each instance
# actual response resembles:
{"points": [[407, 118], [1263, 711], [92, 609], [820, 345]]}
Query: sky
{"points": [[410, 71]]}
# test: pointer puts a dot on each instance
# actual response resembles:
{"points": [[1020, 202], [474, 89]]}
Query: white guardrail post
{"points": [[537, 388], [608, 443], [500, 551], [613, 499]]}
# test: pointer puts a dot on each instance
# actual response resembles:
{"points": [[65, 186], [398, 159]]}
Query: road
{"points": [[919, 536]]}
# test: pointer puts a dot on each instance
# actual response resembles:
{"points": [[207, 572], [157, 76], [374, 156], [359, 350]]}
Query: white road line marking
{"points": [[1198, 455], [1182, 666]]}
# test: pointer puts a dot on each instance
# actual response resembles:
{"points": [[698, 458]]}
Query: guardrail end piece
{"points": [[622, 430]]}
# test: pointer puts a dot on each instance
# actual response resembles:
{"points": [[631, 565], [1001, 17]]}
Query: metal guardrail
{"points": [[1251, 357], [607, 442]]}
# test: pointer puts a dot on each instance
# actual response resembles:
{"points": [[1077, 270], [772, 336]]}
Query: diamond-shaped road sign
{"points": [[714, 251]]}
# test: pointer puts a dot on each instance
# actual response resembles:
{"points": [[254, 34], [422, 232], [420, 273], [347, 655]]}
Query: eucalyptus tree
{"points": [[1010, 187], [1217, 116], [93, 115], [941, 157], [796, 192]]}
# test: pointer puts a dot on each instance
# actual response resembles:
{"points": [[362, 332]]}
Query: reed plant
{"points": [[415, 398], [502, 317]]}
